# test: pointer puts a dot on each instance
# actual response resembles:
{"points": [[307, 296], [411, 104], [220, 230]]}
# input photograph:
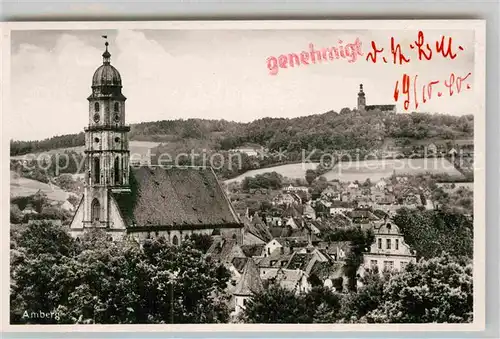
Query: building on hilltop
{"points": [[142, 201], [362, 106]]}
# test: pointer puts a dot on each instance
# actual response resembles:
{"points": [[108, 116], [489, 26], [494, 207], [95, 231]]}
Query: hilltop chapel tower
{"points": [[361, 99]]}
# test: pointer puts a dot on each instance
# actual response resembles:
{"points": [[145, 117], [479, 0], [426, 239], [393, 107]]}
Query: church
{"points": [[148, 201], [362, 106]]}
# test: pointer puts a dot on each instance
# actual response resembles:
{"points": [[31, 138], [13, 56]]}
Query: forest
{"points": [[349, 129]]}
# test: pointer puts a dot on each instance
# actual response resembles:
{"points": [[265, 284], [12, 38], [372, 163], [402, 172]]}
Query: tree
{"points": [[311, 176], [201, 242], [436, 290], [276, 305], [16, 216], [97, 280]]}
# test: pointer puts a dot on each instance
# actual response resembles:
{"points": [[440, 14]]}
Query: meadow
{"points": [[362, 170], [22, 187]]}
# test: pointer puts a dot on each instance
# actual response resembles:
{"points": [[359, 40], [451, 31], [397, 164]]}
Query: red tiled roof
{"points": [[175, 197]]}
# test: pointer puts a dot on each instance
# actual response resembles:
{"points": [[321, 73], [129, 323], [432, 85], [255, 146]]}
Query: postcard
{"points": [[244, 176]]}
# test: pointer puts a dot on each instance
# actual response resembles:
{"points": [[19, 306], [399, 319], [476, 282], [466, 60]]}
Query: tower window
{"points": [[97, 170], [117, 139], [117, 107], [96, 107], [175, 240], [96, 139], [117, 117], [95, 210], [117, 171], [97, 118]]}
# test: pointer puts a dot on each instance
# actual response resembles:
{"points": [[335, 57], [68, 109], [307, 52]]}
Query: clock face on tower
{"points": [[96, 117]]}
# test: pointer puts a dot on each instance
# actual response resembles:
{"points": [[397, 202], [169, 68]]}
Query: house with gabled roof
{"points": [[248, 285]]}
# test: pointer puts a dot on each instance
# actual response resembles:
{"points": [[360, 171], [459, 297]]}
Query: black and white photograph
{"points": [[321, 173]]}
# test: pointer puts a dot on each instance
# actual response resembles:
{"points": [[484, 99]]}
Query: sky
{"points": [[213, 74]]}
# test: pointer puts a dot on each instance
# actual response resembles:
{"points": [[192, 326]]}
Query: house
{"points": [[389, 251], [290, 189], [285, 199], [309, 211], [353, 186], [248, 285], [29, 210], [224, 250], [330, 193], [432, 148], [250, 150], [292, 280], [381, 184], [271, 246]]}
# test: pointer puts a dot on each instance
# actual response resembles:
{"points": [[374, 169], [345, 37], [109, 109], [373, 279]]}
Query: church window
{"points": [[117, 139], [96, 210], [117, 118], [117, 107], [397, 244], [97, 170], [97, 118], [96, 107], [388, 242], [175, 240], [117, 171], [96, 139], [379, 244]]}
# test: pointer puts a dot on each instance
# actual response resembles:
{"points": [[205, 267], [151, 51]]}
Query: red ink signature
{"points": [[409, 89], [424, 50]]}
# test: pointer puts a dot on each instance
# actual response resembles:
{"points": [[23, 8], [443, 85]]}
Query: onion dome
{"points": [[361, 93], [106, 75]]}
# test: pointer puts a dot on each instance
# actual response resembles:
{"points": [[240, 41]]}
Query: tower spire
{"points": [[106, 56]]}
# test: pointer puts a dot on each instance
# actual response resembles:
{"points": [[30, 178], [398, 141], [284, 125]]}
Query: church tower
{"points": [[106, 146], [361, 99]]}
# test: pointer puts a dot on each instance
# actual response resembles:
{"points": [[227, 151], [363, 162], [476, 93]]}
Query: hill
{"points": [[329, 131], [23, 187]]}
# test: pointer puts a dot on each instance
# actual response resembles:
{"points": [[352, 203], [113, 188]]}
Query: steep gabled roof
{"points": [[176, 196], [250, 282]]}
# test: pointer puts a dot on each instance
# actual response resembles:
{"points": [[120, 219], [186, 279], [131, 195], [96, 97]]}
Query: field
{"points": [[362, 170], [136, 147], [377, 169], [22, 187], [292, 171]]}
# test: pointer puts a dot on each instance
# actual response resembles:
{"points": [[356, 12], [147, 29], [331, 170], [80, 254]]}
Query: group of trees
{"points": [[96, 280], [328, 131], [435, 290], [270, 180], [431, 232]]}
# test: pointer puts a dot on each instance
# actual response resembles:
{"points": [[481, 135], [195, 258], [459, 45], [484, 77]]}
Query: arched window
{"points": [[96, 210], [96, 107], [117, 107], [175, 240], [117, 171], [97, 169]]}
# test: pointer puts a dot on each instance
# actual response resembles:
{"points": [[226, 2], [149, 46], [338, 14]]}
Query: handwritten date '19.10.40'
{"points": [[415, 93]]}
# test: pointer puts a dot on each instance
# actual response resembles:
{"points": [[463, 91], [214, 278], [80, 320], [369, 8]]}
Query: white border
{"points": [[479, 26]]}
